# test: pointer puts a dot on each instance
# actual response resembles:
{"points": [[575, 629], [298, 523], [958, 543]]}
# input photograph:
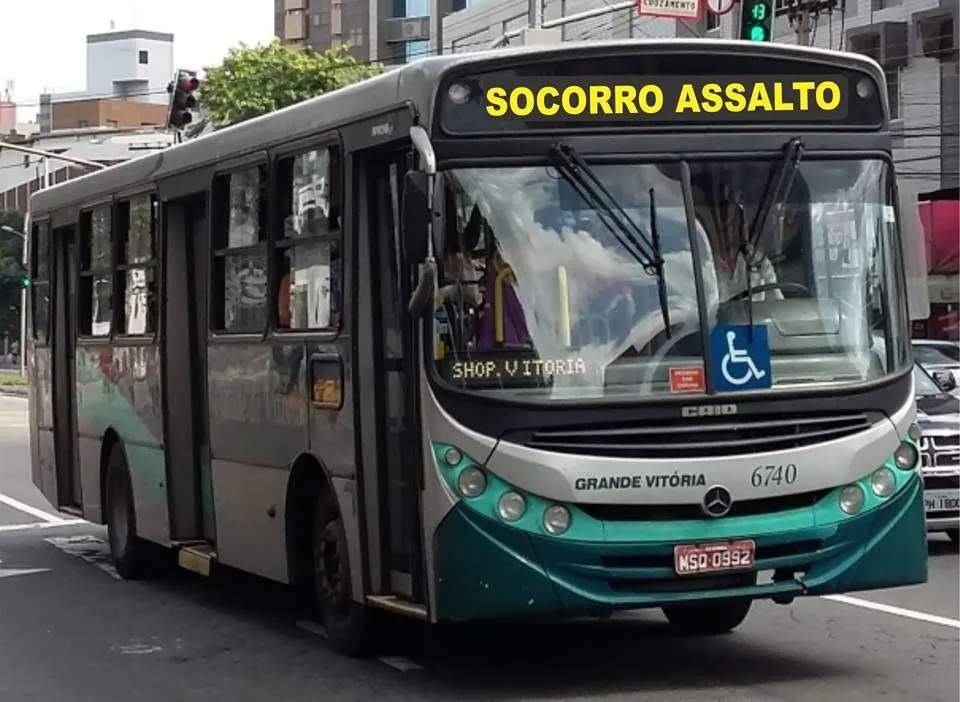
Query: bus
{"points": [[535, 333]]}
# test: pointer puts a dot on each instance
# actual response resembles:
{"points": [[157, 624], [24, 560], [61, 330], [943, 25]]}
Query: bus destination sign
{"points": [[681, 98], [506, 101]]}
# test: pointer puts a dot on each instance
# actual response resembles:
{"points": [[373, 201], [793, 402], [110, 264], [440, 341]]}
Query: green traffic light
{"points": [[26, 281], [758, 12], [758, 34]]}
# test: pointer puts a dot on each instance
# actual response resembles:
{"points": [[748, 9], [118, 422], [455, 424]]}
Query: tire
{"points": [[126, 550], [954, 535], [708, 618], [350, 626]]}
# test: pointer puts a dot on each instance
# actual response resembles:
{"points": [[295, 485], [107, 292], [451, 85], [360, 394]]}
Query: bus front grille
{"points": [[702, 438], [740, 508]]}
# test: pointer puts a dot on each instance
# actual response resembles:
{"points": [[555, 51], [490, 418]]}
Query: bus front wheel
{"points": [[349, 625], [707, 618], [126, 549]]}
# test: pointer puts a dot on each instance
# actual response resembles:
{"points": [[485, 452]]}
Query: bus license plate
{"points": [[942, 500], [689, 559]]}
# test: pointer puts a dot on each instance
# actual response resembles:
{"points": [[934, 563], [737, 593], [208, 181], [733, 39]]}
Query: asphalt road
{"points": [[70, 630]]}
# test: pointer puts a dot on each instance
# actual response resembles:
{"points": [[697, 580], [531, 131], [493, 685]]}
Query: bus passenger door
{"points": [[65, 275], [395, 370], [184, 369]]}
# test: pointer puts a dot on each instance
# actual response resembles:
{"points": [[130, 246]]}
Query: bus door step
{"points": [[392, 603], [196, 556]]}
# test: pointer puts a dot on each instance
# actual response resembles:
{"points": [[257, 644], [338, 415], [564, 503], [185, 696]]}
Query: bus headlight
{"points": [[882, 482], [851, 499], [472, 482], [906, 456], [556, 519], [452, 456], [915, 432], [511, 506]]}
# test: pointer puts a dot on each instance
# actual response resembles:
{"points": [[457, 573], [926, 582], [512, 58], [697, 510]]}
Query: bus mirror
{"points": [[416, 216]]}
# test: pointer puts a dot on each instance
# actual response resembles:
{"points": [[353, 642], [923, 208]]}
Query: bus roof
{"points": [[415, 83]]}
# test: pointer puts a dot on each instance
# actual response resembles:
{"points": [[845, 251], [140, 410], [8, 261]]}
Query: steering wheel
{"points": [[768, 286]]}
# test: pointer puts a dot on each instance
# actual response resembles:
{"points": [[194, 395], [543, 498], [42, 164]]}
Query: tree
{"points": [[11, 275], [252, 81]]}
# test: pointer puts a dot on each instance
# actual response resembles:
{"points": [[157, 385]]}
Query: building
{"points": [[127, 77], [23, 174], [387, 31]]}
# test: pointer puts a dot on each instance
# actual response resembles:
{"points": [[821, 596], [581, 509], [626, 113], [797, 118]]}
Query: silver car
{"points": [[941, 359], [938, 414]]}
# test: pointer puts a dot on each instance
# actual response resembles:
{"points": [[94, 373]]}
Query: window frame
{"points": [[91, 272], [220, 217], [121, 232], [45, 283], [330, 141]]}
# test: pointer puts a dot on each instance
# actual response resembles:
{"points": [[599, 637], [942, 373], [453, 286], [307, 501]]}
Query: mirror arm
{"points": [[425, 292]]}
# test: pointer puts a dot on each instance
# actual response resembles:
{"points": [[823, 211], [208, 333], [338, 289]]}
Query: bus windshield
{"points": [[542, 297]]}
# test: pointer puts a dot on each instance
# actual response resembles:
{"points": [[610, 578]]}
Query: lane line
{"points": [[896, 611], [32, 511], [41, 525]]}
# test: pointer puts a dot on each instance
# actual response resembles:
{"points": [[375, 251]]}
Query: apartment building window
{"points": [[895, 90], [144, 58]]}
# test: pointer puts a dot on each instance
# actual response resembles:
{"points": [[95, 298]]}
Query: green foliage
{"points": [[252, 81], [11, 275]]}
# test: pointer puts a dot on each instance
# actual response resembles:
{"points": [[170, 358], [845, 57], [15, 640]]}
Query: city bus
{"points": [[537, 333]]}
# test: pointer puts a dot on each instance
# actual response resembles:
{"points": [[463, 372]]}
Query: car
{"points": [[941, 359], [938, 415]]}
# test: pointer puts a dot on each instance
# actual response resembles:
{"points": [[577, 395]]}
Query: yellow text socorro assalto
{"points": [[651, 99]]}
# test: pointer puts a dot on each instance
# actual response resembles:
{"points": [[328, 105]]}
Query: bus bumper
{"points": [[486, 569]]}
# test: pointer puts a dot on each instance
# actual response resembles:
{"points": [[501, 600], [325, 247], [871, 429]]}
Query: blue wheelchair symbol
{"points": [[738, 361]]}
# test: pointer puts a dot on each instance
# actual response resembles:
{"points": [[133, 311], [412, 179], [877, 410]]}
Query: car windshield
{"points": [[542, 297], [925, 385], [934, 355]]}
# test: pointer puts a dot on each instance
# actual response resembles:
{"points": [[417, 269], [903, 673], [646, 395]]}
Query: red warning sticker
{"points": [[687, 380]]}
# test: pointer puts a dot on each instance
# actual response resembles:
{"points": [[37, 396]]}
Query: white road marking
{"points": [[400, 663], [13, 572], [896, 611], [41, 525], [32, 511], [89, 548]]}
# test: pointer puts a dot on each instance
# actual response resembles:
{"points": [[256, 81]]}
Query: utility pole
{"points": [[803, 24]]}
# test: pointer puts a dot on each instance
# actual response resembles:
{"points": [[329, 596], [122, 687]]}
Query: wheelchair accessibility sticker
{"points": [[740, 361]]}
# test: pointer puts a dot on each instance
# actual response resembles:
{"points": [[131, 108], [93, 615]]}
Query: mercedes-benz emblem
{"points": [[717, 501]]}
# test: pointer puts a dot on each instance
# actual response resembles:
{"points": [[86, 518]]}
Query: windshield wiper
{"points": [[778, 187], [588, 185]]}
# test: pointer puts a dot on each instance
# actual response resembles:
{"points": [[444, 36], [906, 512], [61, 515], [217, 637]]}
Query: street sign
{"points": [[720, 7], [674, 9]]}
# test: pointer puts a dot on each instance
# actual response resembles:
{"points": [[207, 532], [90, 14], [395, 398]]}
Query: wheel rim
{"points": [[119, 518], [330, 571]]}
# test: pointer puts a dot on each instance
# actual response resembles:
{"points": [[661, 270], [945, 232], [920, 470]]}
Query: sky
{"points": [[44, 43]]}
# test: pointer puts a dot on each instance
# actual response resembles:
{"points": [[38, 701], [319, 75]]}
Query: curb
{"points": [[15, 390]]}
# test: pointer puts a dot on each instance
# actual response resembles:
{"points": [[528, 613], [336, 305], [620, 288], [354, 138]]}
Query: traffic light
{"points": [[182, 99], [756, 20], [26, 281]]}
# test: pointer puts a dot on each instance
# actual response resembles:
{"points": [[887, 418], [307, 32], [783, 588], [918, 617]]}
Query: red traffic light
{"points": [[191, 84]]}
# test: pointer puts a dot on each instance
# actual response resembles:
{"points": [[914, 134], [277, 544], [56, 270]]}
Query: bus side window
{"points": [[239, 286], [95, 303], [137, 265], [307, 259]]}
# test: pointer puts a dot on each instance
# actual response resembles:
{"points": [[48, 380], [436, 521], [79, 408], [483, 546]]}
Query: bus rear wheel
{"points": [[126, 549], [349, 625], [708, 618]]}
